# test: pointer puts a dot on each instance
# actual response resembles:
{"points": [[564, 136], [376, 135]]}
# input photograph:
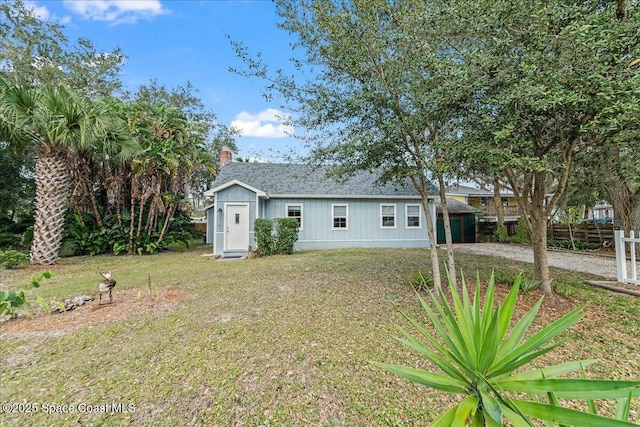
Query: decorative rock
{"points": [[68, 305], [71, 304], [82, 300]]}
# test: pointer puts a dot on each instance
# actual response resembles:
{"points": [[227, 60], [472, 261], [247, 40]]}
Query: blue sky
{"points": [[175, 41]]}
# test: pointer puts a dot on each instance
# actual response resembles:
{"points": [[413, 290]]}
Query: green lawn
{"points": [[284, 340]]}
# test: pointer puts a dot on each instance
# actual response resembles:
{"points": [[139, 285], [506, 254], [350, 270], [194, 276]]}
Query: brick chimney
{"points": [[225, 156]]}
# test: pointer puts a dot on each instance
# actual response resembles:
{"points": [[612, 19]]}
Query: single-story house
{"points": [[462, 219], [333, 213]]}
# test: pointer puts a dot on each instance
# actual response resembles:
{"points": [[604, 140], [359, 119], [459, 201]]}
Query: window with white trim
{"points": [[295, 211], [413, 216], [339, 217], [387, 216]]}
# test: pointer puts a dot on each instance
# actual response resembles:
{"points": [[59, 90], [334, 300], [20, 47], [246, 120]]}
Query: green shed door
{"points": [[456, 230]]}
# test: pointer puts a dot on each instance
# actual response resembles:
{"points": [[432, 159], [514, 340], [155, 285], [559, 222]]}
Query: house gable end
{"points": [[229, 184]]}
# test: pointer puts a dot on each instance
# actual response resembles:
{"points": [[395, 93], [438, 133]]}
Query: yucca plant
{"points": [[479, 352], [623, 405]]}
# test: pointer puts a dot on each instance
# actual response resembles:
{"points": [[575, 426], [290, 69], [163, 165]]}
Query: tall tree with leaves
{"points": [[59, 123], [611, 172], [201, 122], [39, 51], [380, 93], [551, 80]]}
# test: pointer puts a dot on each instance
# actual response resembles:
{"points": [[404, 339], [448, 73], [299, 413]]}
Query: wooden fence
{"points": [[596, 234], [200, 226]]}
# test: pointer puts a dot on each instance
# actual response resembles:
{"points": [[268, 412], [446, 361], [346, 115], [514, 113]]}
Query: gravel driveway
{"points": [[583, 263]]}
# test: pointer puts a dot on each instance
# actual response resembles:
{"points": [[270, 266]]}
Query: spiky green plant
{"points": [[479, 351]]}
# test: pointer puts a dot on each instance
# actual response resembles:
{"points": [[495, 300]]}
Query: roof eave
{"points": [[347, 196], [226, 185]]}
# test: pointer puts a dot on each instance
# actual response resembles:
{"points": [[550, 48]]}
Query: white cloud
{"points": [[41, 12], [270, 123], [116, 11]]}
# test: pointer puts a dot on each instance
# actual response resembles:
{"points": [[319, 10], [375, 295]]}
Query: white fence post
{"points": [[634, 271], [621, 256]]}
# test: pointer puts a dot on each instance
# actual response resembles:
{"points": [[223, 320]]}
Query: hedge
{"points": [[275, 236]]}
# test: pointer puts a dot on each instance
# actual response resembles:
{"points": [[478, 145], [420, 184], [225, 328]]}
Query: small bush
{"points": [[420, 281], [11, 301], [527, 283], [566, 244], [275, 237], [263, 233], [509, 277], [286, 235], [501, 234], [522, 236], [11, 258], [505, 276]]}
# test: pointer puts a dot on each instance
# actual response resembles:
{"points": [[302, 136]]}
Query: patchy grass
{"points": [[283, 340]]}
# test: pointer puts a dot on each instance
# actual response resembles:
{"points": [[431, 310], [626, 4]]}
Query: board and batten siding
{"points": [[363, 223], [233, 195]]}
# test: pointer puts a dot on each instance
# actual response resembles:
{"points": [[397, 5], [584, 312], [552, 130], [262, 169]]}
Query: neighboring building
{"points": [[333, 213], [601, 212], [462, 219], [483, 202]]}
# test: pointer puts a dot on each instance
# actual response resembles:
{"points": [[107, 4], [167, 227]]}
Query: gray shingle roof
{"points": [[468, 191], [454, 207], [297, 180]]}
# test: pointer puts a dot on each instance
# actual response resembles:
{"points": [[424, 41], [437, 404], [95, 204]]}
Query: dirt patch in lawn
{"points": [[550, 310], [126, 304]]}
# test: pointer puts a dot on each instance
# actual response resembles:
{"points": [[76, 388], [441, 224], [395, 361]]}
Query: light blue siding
{"points": [[233, 195], [210, 215], [364, 223]]}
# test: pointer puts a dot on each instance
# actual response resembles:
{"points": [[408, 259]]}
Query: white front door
{"points": [[236, 221]]}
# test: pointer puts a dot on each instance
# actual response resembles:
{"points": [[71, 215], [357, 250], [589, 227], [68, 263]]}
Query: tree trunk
{"points": [[635, 216], [151, 216], [538, 234], [52, 193], [497, 198], [133, 215], [422, 185], [635, 212], [88, 187], [167, 220], [540, 263], [447, 233], [96, 211], [115, 186], [433, 245], [143, 201], [626, 205]]}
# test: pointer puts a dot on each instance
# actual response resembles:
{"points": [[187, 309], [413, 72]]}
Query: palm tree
{"points": [[93, 167], [60, 124], [160, 173]]}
